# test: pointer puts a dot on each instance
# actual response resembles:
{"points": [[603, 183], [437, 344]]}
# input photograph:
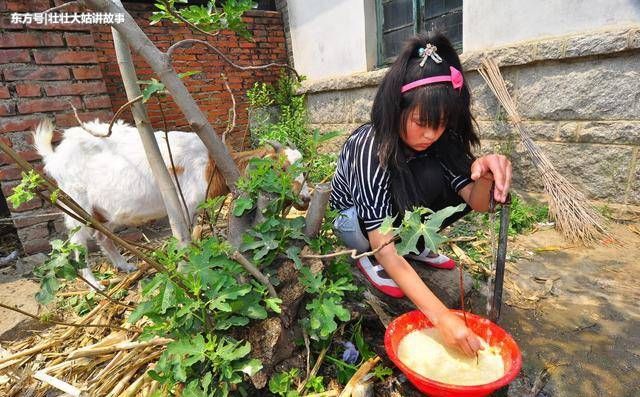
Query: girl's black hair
{"points": [[438, 104]]}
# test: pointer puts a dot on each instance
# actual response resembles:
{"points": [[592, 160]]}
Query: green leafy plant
{"points": [[260, 95], [275, 234], [320, 165], [202, 356], [292, 127], [421, 222], [315, 384], [26, 190], [269, 176], [282, 383], [326, 308], [326, 241], [345, 371], [60, 265], [524, 216], [225, 361], [81, 305], [381, 372], [154, 86], [208, 17]]}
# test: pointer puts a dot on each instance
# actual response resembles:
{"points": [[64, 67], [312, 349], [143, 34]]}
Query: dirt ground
{"points": [[572, 310], [575, 311]]}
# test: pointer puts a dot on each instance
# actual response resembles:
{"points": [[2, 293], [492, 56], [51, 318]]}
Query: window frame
{"points": [[419, 18]]}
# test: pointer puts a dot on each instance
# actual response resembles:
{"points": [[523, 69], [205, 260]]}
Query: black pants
{"points": [[434, 192]]}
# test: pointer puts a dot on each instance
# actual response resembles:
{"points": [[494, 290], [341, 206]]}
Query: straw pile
{"points": [[84, 361]]}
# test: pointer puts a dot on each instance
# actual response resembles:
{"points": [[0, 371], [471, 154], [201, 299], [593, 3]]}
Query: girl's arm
{"points": [[452, 328], [485, 171]]}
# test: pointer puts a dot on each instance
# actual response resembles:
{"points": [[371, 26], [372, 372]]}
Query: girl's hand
{"points": [[456, 334], [494, 167]]}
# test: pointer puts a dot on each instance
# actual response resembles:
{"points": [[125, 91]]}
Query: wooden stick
{"points": [[253, 270], [135, 386], [60, 385], [317, 209], [353, 253], [187, 42], [376, 305], [232, 123], [315, 369], [362, 371]]}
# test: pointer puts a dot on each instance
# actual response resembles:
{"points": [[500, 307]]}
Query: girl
{"points": [[416, 152]]}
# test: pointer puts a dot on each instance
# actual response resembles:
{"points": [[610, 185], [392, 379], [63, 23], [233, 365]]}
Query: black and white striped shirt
{"points": [[360, 181]]}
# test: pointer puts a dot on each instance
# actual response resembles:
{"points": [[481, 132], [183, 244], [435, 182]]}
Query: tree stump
{"points": [[273, 339]]}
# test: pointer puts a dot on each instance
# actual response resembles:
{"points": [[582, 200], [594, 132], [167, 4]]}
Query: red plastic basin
{"points": [[490, 332]]}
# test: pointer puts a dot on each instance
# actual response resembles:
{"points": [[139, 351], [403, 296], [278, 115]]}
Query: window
{"points": [[401, 19]]}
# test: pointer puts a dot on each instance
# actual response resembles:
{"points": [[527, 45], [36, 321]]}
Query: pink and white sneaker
{"points": [[375, 273], [432, 259]]}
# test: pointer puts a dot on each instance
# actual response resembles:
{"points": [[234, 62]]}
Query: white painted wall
{"points": [[493, 23], [332, 37]]}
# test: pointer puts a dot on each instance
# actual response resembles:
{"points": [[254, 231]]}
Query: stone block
{"points": [[599, 171], [611, 132], [354, 81], [525, 176], [483, 103], [540, 130], [332, 107], [37, 216], [35, 246], [362, 103], [334, 145], [634, 38], [471, 60], [20, 293], [25, 265], [514, 55], [603, 88], [568, 132], [550, 49], [495, 130], [502, 130], [596, 43]]}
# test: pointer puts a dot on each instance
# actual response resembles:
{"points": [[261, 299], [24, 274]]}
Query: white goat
{"points": [[111, 178]]}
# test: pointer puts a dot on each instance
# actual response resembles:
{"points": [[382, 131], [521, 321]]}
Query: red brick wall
{"points": [[207, 87], [43, 67]]}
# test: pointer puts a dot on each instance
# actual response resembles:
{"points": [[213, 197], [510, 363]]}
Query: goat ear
{"points": [[275, 145]]}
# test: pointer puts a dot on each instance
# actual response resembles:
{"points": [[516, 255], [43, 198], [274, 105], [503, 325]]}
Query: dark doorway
{"points": [[9, 240]]}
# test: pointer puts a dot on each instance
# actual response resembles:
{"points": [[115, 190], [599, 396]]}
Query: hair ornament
{"points": [[429, 52]]}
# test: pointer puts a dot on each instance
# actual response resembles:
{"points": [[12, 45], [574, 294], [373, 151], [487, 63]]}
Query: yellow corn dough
{"points": [[424, 352]]}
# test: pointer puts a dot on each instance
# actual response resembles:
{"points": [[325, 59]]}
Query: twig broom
{"points": [[574, 216]]}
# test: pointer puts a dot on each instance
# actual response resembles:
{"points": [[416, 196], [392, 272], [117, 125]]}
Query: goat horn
{"points": [[276, 145]]}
